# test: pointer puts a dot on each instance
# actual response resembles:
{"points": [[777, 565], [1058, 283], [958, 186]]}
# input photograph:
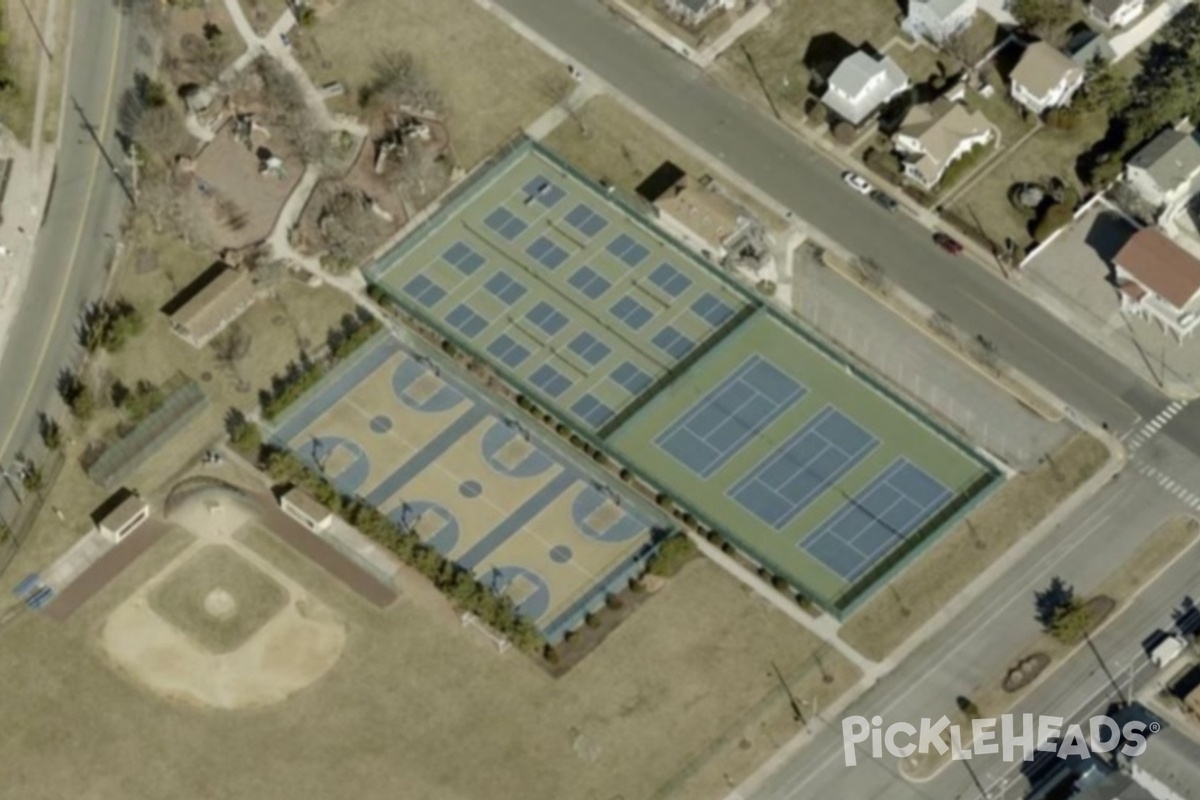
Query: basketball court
{"points": [[424, 448]]}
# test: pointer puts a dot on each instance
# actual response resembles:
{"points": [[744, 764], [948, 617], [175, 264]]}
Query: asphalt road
{"points": [[770, 156], [1086, 548], [986, 632], [74, 243]]}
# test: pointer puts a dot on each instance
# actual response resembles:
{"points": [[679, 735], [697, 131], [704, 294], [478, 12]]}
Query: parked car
{"points": [[884, 199], [948, 243], [857, 182]]}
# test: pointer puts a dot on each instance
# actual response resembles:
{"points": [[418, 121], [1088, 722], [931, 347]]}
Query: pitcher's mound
{"points": [[220, 604], [216, 631]]}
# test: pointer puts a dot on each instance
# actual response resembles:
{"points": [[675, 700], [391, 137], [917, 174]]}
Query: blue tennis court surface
{"points": [[876, 520], [724, 420], [811, 461]]}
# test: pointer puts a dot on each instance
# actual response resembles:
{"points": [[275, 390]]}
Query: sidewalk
{"points": [[937, 622], [707, 54], [26, 194]]}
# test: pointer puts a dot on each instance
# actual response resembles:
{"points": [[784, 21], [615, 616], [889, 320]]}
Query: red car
{"points": [[947, 243]]}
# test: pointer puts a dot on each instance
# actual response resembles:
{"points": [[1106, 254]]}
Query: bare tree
{"points": [[229, 348], [870, 274], [160, 130], [203, 55], [984, 351], [289, 114], [152, 13], [968, 46], [398, 84], [941, 324], [349, 226]]}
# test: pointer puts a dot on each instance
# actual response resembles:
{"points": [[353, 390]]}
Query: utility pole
{"points": [[91, 129], [978, 785], [1104, 666], [797, 712], [37, 31]]}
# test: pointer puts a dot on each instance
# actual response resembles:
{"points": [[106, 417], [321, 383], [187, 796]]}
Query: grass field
{"points": [[189, 599], [778, 48], [991, 529], [508, 85], [418, 707]]}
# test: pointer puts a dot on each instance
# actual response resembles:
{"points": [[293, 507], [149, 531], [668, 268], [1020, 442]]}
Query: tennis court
{"points": [[395, 429], [881, 516], [570, 295], [820, 477], [735, 412]]}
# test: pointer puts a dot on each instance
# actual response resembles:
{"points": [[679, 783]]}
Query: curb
{"points": [[1070, 654], [1010, 373]]}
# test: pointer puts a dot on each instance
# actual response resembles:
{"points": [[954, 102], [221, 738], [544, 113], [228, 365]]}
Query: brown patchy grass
{"points": [[276, 328], [22, 53], [420, 707], [492, 81], [610, 144], [1048, 153], [779, 44], [1165, 544], [1007, 516]]}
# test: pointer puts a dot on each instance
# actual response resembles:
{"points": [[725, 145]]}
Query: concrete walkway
{"points": [[1125, 43], [272, 44]]}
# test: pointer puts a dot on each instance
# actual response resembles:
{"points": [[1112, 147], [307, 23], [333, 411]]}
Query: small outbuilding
{"points": [[302, 507], [121, 515]]}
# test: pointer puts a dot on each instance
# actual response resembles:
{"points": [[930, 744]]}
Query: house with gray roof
{"points": [[938, 20], [1162, 172], [861, 84]]}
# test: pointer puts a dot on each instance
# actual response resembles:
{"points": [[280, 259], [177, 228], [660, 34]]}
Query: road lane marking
{"points": [[1054, 355], [1086, 528], [62, 295]]}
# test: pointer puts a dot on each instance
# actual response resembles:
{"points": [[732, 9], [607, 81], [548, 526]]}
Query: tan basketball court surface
{"points": [[439, 458]]}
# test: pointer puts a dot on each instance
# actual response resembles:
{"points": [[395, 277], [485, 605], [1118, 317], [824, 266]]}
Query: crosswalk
{"points": [[1144, 434], [1170, 485]]}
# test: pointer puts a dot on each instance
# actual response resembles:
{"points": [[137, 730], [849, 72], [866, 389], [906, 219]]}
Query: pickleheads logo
{"points": [[996, 736]]}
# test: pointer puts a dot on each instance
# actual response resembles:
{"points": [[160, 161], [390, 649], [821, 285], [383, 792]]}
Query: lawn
{"points": [[1009, 514], [20, 52], [154, 268], [420, 707], [779, 48], [1048, 153], [610, 144], [919, 63], [697, 37], [508, 84]]}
